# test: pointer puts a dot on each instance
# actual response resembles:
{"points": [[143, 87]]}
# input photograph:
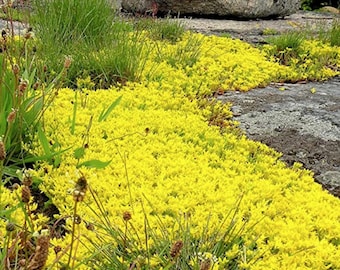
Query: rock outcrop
{"points": [[227, 8]]}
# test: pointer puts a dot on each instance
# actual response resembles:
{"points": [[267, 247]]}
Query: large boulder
{"points": [[227, 8]]}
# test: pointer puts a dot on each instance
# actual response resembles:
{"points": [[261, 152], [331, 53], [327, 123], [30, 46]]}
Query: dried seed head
{"points": [[25, 194], [16, 69], [41, 253], [27, 178], [10, 227], [28, 33], [4, 33], [57, 249], [23, 86], [11, 116], [89, 226], [45, 68], [127, 216], [22, 263], [80, 189], [205, 265], [67, 62], [36, 85], [15, 186], [2, 150], [77, 219], [176, 249]]}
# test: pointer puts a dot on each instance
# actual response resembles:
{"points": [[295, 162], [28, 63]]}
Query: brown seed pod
{"points": [[41, 253], [176, 249], [127, 216], [25, 194], [2, 150]]}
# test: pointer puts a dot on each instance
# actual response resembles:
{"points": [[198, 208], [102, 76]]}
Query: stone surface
{"points": [[228, 8], [303, 126], [253, 31]]}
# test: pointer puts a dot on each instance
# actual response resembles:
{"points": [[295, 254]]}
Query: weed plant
{"points": [[25, 94]]}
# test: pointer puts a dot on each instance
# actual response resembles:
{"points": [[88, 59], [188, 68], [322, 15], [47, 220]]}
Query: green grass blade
{"points": [[104, 114], [43, 141]]}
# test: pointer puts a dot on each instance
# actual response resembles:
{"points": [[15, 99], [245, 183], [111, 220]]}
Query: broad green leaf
{"points": [[104, 114], [33, 159], [94, 163], [32, 110], [79, 153]]}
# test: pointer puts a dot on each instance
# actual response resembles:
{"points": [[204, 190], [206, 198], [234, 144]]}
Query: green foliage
{"points": [[287, 46], [331, 36], [65, 23], [316, 4], [184, 54], [121, 60], [105, 113], [168, 29], [103, 47], [269, 32], [178, 248], [24, 96]]}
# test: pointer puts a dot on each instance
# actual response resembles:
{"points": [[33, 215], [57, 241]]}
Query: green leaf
{"points": [[95, 163], [43, 141], [104, 114], [79, 153]]}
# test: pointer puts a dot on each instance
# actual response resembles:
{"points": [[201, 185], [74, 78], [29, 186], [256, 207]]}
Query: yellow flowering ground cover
{"points": [[169, 167]]}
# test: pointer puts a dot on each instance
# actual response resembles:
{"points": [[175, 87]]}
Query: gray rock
{"points": [[236, 8], [331, 178], [137, 6]]}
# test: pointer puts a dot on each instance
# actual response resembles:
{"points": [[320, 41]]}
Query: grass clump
{"points": [[331, 36], [101, 45], [61, 24], [287, 46], [168, 29]]}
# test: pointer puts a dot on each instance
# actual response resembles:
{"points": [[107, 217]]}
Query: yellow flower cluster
{"points": [[178, 166], [167, 165]]}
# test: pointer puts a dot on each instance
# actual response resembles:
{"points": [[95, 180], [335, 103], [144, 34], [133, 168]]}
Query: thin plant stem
{"points": [[73, 231]]}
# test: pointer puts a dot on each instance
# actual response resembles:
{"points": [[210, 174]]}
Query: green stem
{"points": [[73, 232]]}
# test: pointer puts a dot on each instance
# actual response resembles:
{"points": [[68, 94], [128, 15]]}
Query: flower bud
{"points": [[10, 227]]}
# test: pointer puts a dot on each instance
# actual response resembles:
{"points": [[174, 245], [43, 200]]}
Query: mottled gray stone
{"points": [[235, 8]]}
